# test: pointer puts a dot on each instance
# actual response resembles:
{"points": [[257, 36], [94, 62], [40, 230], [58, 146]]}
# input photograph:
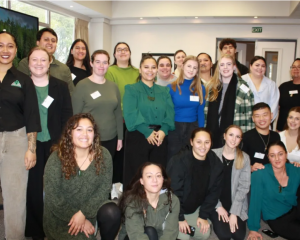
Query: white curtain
{"points": [[82, 30]]}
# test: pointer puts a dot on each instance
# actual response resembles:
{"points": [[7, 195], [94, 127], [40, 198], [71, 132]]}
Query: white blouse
{"points": [[293, 156], [268, 93]]}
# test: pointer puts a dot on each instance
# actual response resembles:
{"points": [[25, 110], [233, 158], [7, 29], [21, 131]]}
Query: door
{"points": [[279, 57]]}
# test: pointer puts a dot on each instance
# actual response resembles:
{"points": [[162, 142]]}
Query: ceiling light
{"points": [[196, 17], [255, 17], [141, 18], [71, 6]]}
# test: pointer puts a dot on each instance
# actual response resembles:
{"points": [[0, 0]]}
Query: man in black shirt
{"points": [[256, 140], [228, 46]]}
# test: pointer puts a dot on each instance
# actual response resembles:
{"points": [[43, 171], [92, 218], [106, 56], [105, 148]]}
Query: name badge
{"points": [[244, 88], [194, 98], [259, 155], [73, 76], [293, 92], [95, 95], [47, 102]]}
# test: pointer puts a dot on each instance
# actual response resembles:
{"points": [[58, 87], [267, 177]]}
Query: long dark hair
{"points": [[86, 60], [115, 49], [144, 58], [66, 149], [136, 195]]}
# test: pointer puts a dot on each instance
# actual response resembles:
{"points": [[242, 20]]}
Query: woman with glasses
{"points": [[275, 195], [289, 94], [264, 89], [122, 73]]}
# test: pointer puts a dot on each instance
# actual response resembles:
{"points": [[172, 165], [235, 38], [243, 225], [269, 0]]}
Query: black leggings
{"points": [[109, 221], [222, 229], [150, 232]]}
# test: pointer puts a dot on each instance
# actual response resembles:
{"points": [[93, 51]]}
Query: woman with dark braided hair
{"points": [[149, 209], [77, 180]]}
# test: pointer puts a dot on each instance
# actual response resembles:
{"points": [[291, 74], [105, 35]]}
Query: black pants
{"points": [[118, 161], [139, 151], [111, 146], [222, 229], [150, 232], [35, 202], [288, 225], [180, 137], [109, 221]]}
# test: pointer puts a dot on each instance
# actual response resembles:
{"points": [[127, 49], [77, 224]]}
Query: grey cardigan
{"points": [[240, 185]]}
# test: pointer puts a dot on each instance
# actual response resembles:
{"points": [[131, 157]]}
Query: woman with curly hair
{"points": [[149, 209], [76, 192]]}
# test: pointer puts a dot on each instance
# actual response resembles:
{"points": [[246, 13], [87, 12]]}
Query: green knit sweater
{"points": [[63, 198]]}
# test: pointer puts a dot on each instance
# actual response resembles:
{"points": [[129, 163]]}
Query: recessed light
{"points": [[141, 18], [196, 17], [255, 17], [71, 6]]}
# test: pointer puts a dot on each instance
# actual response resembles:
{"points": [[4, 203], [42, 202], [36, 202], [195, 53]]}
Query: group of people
{"points": [[186, 145]]}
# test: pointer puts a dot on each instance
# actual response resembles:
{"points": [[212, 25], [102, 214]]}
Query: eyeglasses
{"points": [[295, 67], [125, 50]]}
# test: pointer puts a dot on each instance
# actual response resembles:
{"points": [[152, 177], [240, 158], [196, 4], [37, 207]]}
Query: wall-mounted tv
{"points": [[24, 27]]}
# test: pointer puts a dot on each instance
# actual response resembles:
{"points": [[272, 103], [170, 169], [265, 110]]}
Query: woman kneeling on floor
{"points": [[229, 219], [196, 174], [77, 182], [149, 208]]}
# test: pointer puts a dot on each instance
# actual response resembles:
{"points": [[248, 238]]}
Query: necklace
{"points": [[79, 171], [266, 145], [227, 161], [149, 97]]}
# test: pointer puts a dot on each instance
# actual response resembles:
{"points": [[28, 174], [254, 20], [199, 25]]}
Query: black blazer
{"points": [[60, 109]]}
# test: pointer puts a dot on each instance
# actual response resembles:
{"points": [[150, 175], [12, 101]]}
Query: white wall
{"points": [[192, 38]]}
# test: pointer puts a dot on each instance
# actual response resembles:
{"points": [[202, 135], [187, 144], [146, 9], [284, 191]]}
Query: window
{"points": [[63, 25]]}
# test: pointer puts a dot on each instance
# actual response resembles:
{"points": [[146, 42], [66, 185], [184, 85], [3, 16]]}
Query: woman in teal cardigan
{"points": [[149, 116], [274, 194]]}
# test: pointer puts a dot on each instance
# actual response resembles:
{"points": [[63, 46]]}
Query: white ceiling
{"points": [[154, 12]]}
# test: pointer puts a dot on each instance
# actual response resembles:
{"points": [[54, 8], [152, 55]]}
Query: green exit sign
{"points": [[256, 29]]}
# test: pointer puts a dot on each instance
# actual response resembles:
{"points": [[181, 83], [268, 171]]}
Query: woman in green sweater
{"points": [[149, 209], [77, 183], [121, 72], [274, 194], [102, 99]]}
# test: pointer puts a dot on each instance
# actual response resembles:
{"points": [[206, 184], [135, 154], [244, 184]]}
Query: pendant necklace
{"points": [[227, 161], [266, 145], [79, 171], [149, 97]]}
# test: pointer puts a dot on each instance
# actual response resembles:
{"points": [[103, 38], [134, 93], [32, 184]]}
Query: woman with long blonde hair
{"points": [[230, 100], [188, 95], [229, 219]]}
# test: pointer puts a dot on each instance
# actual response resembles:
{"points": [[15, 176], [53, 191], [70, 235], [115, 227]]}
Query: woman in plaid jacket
{"points": [[229, 101]]}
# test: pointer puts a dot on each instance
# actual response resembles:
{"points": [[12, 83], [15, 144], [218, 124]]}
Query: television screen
{"points": [[24, 27]]}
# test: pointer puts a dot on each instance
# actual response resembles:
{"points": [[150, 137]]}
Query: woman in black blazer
{"points": [[55, 109]]}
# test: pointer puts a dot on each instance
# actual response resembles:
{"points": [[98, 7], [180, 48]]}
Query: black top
{"points": [[60, 109], [200, 180], [242, 68], [18, 103], [79, 73], [180, 168], [225, 197], [287, 101], [254, 145]]}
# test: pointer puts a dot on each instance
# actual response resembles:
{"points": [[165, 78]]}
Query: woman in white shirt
{"points": [[263, 88], [291, 135]]}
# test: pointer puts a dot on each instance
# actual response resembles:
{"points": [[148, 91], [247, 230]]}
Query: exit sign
{"points": [[256, 29]]}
